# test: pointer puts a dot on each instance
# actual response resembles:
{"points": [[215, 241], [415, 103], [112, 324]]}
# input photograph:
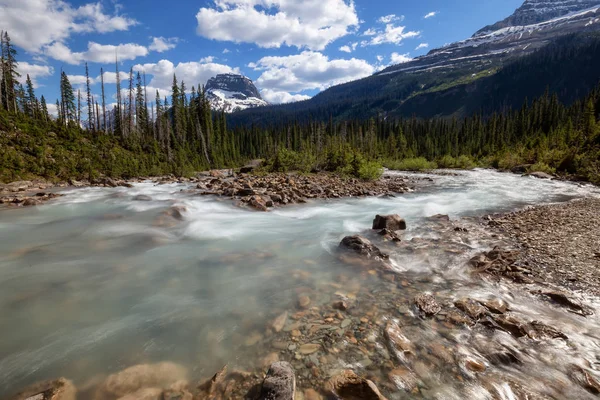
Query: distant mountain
{"points": [[231, 93], [423, 86], [536, 11]]}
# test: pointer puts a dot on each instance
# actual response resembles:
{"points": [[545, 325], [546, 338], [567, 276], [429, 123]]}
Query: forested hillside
{"points": [[569, 67], [181, 135]]}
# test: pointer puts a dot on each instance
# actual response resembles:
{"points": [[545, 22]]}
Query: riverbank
{"points": [[559, 243], [261, 192]]}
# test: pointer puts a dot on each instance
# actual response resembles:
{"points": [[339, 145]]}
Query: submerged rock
{"points": [[398, 344], [427, 305], [363, 247], [349, 386], [564, 300], [584, 379], [60, 389], [279, 322], [142, 197], [280, 383], [132, 379], [470, 307], [390, 222]]}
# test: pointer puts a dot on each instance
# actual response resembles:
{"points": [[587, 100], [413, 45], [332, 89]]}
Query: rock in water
{"points": [[280, 382], [470, 307], [60, 389], [398, 344], [584, 379], [279, 322], [349, 386], [132, 379], [427, 305], [364, 247], [391, 222]]}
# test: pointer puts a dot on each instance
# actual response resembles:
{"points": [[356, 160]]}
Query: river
{"points": [[95, 281]]}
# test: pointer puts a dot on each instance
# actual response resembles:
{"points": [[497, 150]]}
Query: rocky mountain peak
{"points": [[238, 84], [536, 11], [232, 92]]}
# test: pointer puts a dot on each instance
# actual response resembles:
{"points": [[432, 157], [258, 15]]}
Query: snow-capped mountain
{"points": [[231, 93], [536, 11], [532, 26]]}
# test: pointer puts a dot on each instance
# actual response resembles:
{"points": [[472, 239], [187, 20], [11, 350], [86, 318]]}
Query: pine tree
{"points": [[69, 110], [103, 101], [30, 99], [44, 109], [130, 104], [10, 73], [140, 107], [118, 130], [91, 123], [79, 107]]}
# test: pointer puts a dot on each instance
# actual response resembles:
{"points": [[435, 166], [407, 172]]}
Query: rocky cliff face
{"points": [[231, 93]]}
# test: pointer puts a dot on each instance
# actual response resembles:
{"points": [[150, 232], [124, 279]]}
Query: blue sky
{"points": [[291, 49]]}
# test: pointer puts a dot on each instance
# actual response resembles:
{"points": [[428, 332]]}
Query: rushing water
{"points": [[95, 281]]}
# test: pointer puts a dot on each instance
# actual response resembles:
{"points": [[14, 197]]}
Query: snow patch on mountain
{"points": [[231, 92]]}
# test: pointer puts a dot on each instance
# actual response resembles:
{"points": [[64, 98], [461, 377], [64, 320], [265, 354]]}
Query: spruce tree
{"points": [[103, 102], [30, 99], [44, 109], [91, 123]]}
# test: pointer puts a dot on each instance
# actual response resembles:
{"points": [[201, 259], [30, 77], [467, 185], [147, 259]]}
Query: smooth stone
{"points": [[309, 348], [346, 323]]}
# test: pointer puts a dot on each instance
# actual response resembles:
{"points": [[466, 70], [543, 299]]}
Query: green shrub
{"points": [[412, 164], [288, 160], [541, 167]]}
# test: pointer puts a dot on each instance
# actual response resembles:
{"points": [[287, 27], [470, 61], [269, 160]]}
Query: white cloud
{"points": [[275, 97], [34, 24], [96, 53], [226, 51], [370, 32], [272, 23], [349, 48], [431, 15], [52, 109], [422, 46], [192, 73], [392, 34], [34, 71], [380, 58], [161, 44], [390, 18], [400, 58], [308, 70], [207, 60], [111, 77], [78, 79]]}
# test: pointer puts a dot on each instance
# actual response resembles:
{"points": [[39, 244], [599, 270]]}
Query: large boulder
{"points": [[280, 382], [363, 247], [390, 222], [60, 389], [349, 386]]}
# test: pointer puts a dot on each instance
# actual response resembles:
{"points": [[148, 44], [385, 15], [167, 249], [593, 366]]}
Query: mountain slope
{"points": [[231, 93], [426, 81]]}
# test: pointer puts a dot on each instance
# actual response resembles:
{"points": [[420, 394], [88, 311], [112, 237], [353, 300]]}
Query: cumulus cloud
{"points": [[96, 52], [161, 44], [349, 48], [308, 70], [400, 58], [431, 15], [272, 23], [275, 97], [391, 34], [422, 46], [34, 24], [34, 71], [192, 73], [52, 109], [225, 51]]}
